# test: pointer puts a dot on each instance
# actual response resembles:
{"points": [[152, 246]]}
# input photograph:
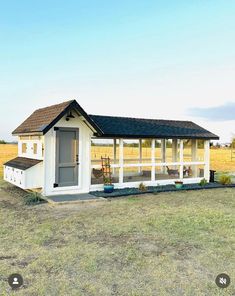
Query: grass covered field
{"points": [[220, 158], [7, 152], [165, 244]]}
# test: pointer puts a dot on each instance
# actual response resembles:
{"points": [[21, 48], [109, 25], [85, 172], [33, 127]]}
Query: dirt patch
{"points": [[55, 243], [7, 257], [25, 262], [15, 191]]}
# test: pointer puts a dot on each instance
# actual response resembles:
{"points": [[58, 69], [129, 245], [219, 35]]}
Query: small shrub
{"points": [[33, 198], [225, 180], [203, 182], [142, 187]]}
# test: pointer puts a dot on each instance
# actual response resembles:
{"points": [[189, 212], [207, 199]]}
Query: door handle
{"points": [[77, 159]]}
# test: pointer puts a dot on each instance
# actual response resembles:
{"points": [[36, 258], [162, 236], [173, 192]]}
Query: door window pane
{"points": [[24, 148], [67, 148], [35, 148]]}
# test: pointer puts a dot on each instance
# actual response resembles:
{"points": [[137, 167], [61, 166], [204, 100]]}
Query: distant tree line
{"points": [[2, 142]]}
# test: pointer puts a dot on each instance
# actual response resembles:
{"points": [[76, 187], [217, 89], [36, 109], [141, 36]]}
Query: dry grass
{"points": [[7, 152], [220, 158], [165, 244]]}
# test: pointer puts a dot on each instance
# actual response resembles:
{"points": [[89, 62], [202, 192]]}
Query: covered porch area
{"points": [[150, 161]]}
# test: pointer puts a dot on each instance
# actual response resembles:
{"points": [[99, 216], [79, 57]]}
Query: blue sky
{"points": [[156, 59]]}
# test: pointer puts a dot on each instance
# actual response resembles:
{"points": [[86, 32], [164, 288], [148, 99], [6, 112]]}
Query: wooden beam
{"points": [[163, 154], [207, 160], [114, 153], [153, 160], [194, 157], [140, 155], [121, 161], [174, 151], [181, 159]]}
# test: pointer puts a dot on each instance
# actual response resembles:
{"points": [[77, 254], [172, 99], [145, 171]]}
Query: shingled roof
{"points": [[126, 127], [22, 163], [42, 120]]}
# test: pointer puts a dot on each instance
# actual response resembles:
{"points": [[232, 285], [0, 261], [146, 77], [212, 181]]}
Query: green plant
{"points": [[142, 187], [225, 180], [107, 181], [203, 182], [33, 198]]}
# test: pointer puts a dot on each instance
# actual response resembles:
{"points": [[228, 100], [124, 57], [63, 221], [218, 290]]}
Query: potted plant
{"points": [[108, 186], [178, 184]]}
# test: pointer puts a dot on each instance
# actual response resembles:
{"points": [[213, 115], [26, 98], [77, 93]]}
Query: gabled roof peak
{"points": [[43, 119]]}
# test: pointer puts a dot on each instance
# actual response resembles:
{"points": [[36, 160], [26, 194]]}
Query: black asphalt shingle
{"points": [[41, 120], [22, 163], [44, 119], [150, 128]]}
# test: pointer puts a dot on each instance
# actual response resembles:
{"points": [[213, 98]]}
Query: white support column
{"points": [[194, 157], [181, 159], [194, 150], [207, 160], [140, 155], [174, 151], [153, 160], [121, 161], [114, 153], [163, 154]]}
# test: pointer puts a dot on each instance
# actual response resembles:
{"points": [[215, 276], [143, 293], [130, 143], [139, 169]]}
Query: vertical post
{"points": [[153, 160], [114, 153], [174, 151], [163, 153], [181, 159], [194, 157], [120, 161], [140, 155], [207, 160]]}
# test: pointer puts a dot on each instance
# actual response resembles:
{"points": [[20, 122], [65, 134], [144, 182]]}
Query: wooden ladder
{"points": [[106, 168]]}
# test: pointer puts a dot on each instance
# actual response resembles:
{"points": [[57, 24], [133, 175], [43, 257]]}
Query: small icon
{"points": [[222, 280], [15, 280]]}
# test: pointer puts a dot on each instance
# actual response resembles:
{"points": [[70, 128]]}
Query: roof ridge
{"points": [[56, 105]]}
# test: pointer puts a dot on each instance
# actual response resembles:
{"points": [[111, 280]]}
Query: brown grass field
{"points": [[7, 152], [220, 158]]}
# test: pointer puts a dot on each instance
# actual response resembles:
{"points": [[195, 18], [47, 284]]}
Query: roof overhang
{"points": [[110, 136], [29, 134]]}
